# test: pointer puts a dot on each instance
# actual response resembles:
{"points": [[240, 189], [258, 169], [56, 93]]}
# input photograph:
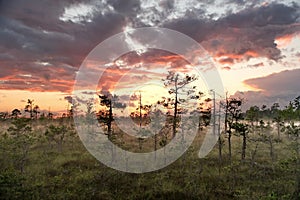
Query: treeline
{"points": [[275, 113], [33, 111], [260, 122]]}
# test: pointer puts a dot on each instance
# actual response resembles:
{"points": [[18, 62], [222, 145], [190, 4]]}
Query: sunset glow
{"points": [[250, 44]]}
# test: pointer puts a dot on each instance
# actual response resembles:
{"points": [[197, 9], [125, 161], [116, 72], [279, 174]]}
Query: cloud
{"points": [[34, 77], [150, 56], [226, 68], [258, 98], [227, 60], [36, 41], [127, 8], [68, 99], [271, 14], [279, 87], [277, 83], [249, 33], [261, 64], [132, 69], [198, 29]]}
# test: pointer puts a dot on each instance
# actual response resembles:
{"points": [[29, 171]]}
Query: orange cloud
{"points": [[230, 58], [226, 68], [35, 84], [284, 40], [157, 57], [251, 53], [132, 69], [224, 61]]}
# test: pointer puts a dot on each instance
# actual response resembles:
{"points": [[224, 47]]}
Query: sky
{"points": [[255, 45]]}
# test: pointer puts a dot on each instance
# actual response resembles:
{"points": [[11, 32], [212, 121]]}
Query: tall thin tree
{"points": [[177, 84], [29, 107]]}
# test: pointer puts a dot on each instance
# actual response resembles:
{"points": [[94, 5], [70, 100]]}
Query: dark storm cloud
{"points": [[198, 29], [279, 87], [238, 2], [32, 43], [70, 41], [278, 83], [126, 7], [35, 41], [245, 34], [33, 13], [31, 34], [259, 27], [274, 14], [259, 98]]}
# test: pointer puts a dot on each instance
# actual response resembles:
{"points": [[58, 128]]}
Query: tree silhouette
{"points": [[264, 111], [3, 115], [233, 114], [266, 136], [141, 113], [252, 114], [177, 84], [73, 109], [243, 130], [156, 120], [29, 107], [50, 115], [36, 111], [296, 108], [15, 113], [89, 113], [32, 109], [205, 113], [105, 115], [277, 118]]}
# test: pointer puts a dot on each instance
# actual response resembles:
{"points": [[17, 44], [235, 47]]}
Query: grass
{"points": [[74, 174]]}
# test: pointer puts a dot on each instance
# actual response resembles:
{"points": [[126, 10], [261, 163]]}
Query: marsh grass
{"points": [[74, 174]]}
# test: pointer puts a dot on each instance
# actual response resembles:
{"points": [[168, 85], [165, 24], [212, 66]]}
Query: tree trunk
{"points": [[278, 130], [271, 148], [253, 155], [175, 108], [220, 149], [155, 145], [109, 128], [199, 124], [297, 192], [244, 146], [229, 146], [226, 123], [175, 118], [219, 135]]}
